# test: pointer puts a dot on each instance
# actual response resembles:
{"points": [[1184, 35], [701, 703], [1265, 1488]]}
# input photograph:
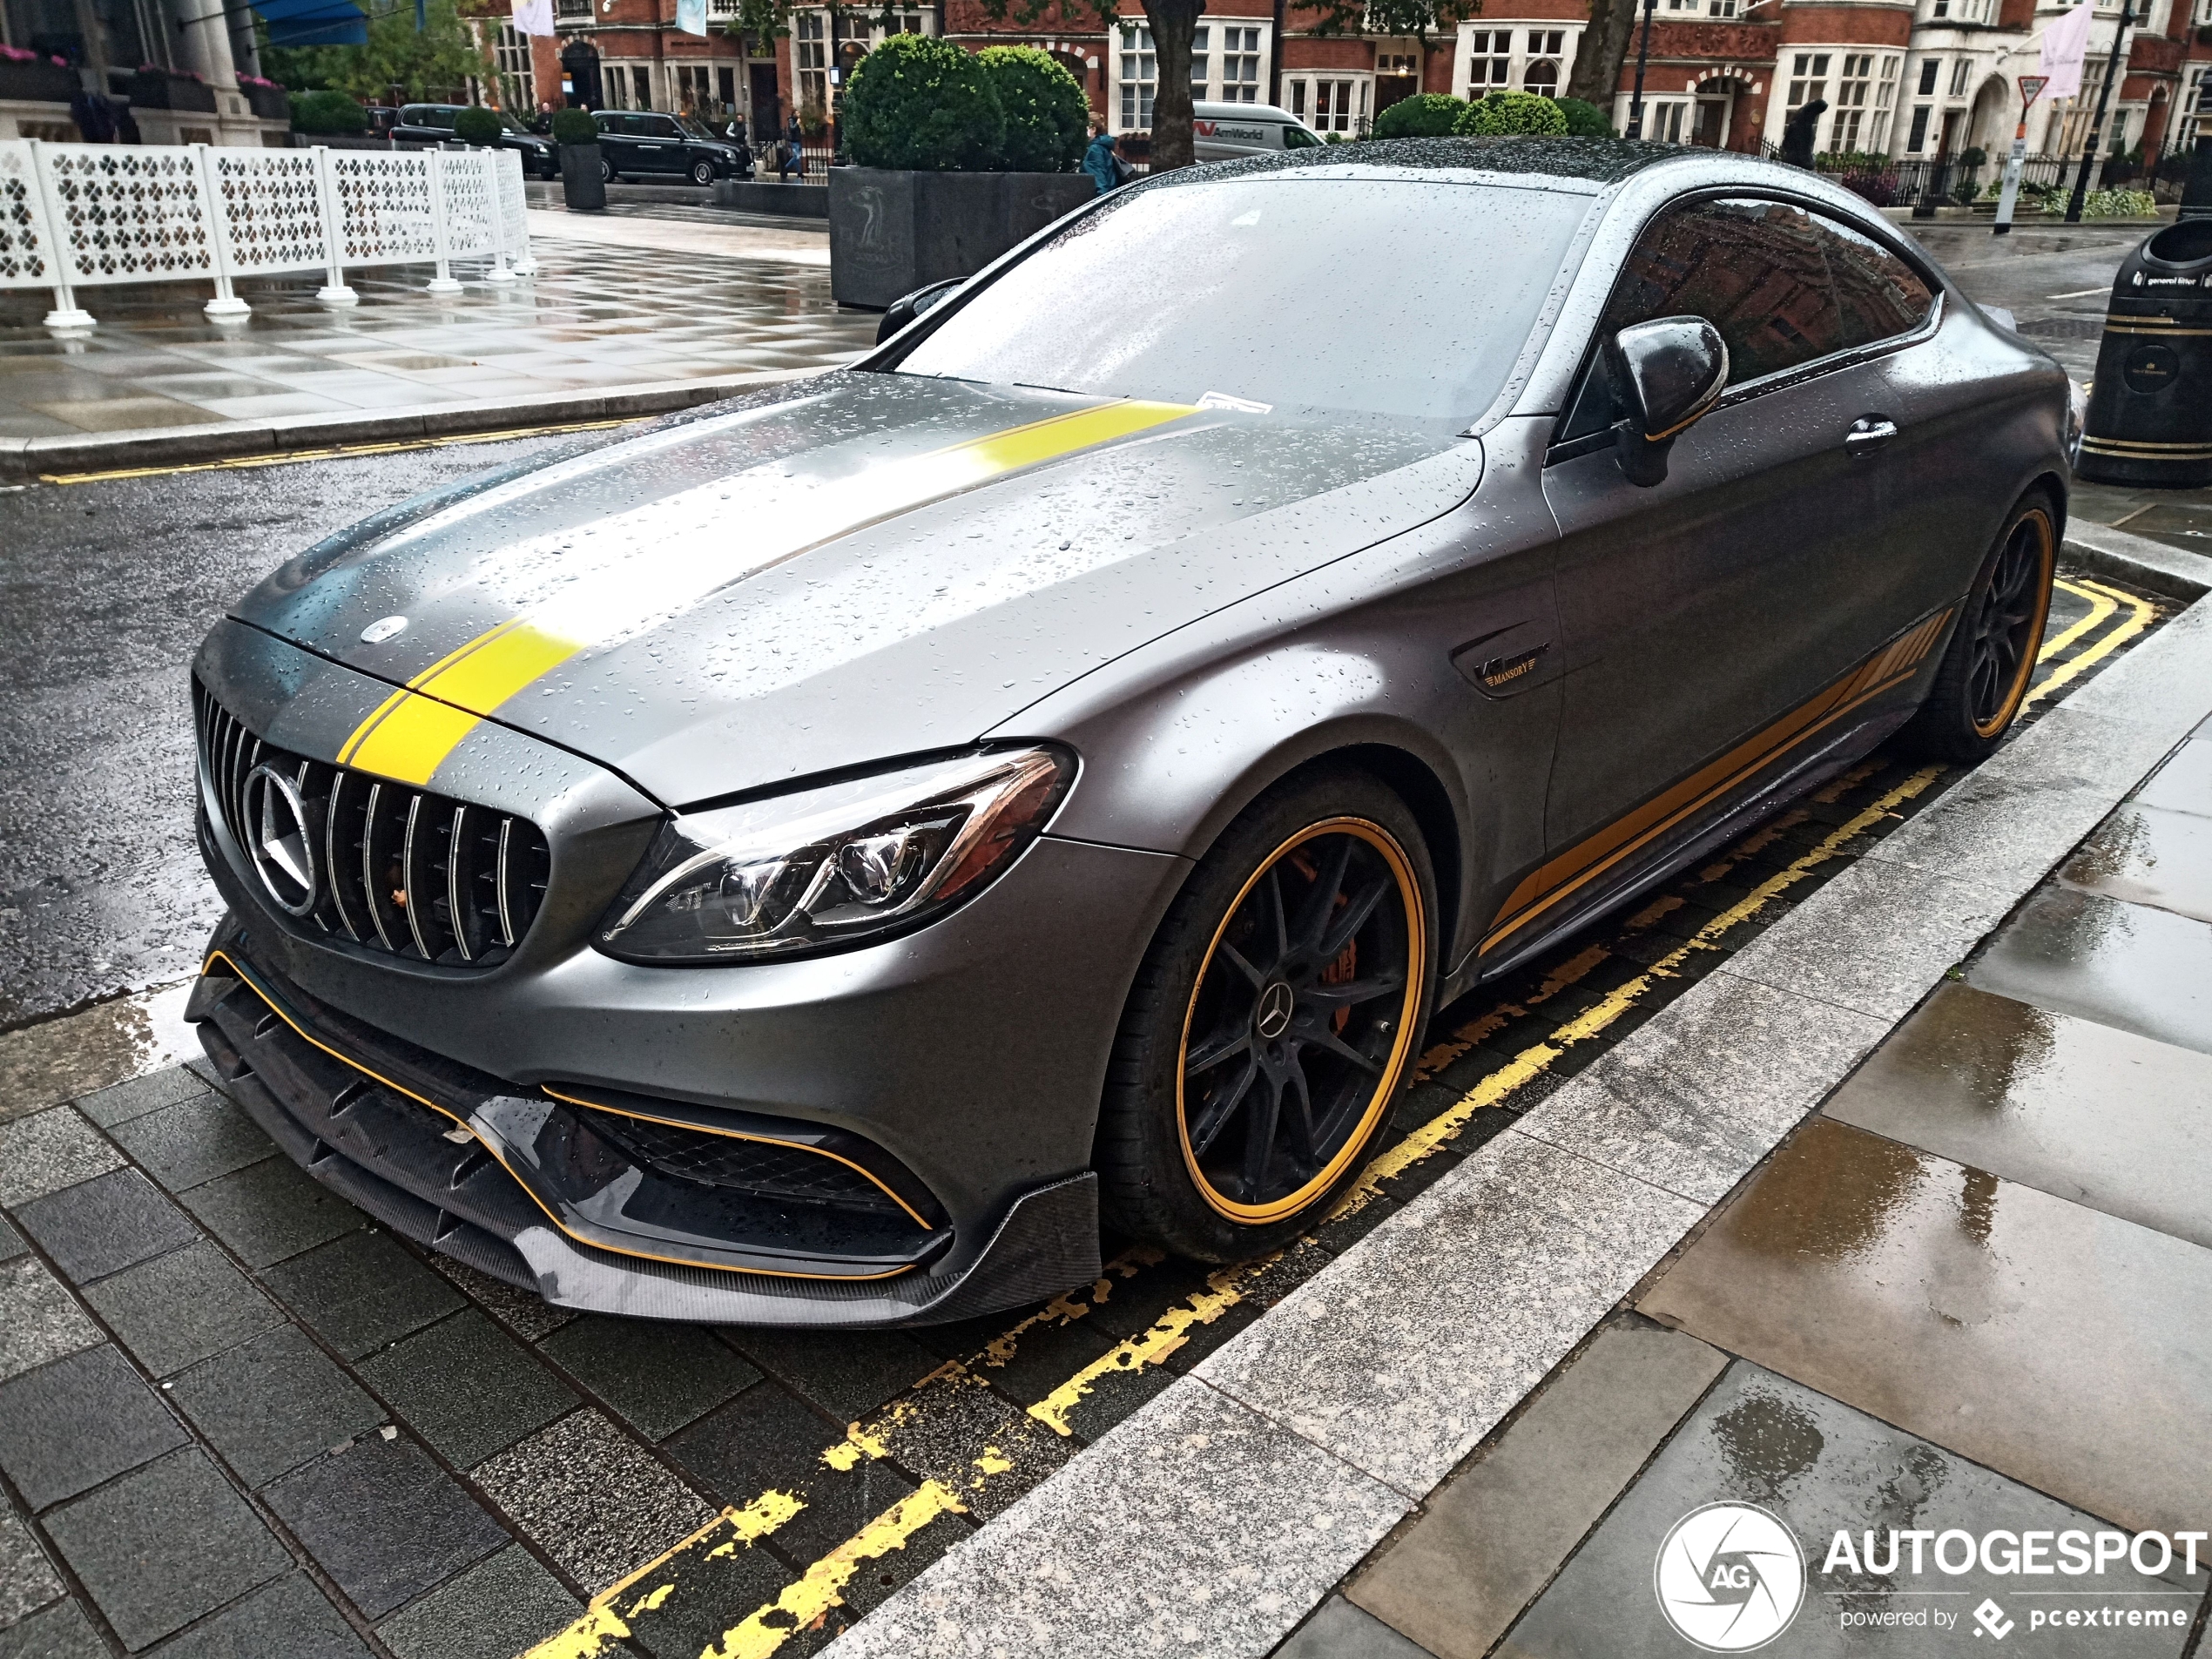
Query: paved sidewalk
{"points": [[1973, 1291], [598, 317]]}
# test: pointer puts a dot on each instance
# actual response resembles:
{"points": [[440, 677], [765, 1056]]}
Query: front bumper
{"points": [[501, 1181]]}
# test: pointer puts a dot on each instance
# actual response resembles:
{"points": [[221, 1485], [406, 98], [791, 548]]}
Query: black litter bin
{"points": [[2150, 406]]}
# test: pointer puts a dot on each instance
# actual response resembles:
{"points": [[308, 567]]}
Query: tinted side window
{"points": [[660, 127], [1877, 293], [1754, 269]]}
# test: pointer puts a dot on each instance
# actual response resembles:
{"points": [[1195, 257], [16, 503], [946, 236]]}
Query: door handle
{"points": [[1868, 434]]}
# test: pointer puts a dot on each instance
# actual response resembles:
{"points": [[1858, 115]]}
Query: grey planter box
{"points": [[38, 82], [891, 233], [582, 187], [766, 196], [156, 90]]}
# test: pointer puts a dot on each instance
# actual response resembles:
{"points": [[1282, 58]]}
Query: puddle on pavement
{"points": [[2147, 855], [2034, 1335], [1822, 1467], [2099, 1116], [62, 1059], [2127, 964]]}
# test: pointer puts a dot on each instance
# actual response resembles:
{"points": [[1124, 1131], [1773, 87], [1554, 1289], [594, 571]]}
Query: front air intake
{"points": [[386, 865]]}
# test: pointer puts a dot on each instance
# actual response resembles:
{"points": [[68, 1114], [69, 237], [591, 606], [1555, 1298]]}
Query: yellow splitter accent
{"points": [[413, 730]]}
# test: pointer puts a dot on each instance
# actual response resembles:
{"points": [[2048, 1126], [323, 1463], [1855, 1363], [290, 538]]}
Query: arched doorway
{"points": [[1717, 97], [1986, 129]]}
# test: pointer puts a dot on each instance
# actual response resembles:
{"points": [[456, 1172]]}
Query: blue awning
{"points": [[313, 23]]}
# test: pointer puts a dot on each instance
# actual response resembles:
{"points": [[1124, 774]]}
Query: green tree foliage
{"points": [[922, 104], [433, 64], [477, 126], [1510, 113], [575, 126], [1048, 118], [326, 112], [1426, 115], [1585, 119]]}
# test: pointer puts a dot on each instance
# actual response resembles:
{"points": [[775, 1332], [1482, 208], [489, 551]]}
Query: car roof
{"points": [[1206, 111], [1580, 164]]}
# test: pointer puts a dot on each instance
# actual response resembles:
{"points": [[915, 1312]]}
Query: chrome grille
{"points": [[399, 869]]}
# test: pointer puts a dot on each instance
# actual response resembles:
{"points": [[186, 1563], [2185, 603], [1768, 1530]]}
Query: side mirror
{"points": [[1666, 372], [906, 307]]}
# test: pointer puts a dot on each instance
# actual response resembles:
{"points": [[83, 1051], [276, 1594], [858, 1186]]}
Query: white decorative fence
{"points": [[78, 215]]}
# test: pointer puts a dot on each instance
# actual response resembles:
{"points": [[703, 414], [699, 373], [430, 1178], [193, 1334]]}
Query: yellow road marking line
{"points": [[646, 575], [1534, 1061], [806, 1599], [2141, 613], [605, 1620], [1152, 1345], [339, 452], [2101, 605]]}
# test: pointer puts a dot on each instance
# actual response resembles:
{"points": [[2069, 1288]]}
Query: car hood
{"points": [[855, 568]]}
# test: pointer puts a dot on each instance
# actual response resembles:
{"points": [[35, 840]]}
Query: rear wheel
{"points": [[1984, 673], [606, 171], [1273, 1022]]}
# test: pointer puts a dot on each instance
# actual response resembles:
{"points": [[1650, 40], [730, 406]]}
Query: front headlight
{"points": [[833, 865]]}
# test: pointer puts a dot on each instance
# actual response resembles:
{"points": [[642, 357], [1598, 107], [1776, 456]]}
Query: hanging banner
{"points": [[2066, 43], [690, 17], [533, 16]]}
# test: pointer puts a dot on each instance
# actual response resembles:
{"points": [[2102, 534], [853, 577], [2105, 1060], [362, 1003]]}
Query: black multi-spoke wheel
{"points": [[1985, 671], [1272, 1023]]}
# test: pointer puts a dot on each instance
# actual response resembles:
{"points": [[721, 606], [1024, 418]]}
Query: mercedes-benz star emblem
{"points": [[1272, 1017], [277, 838]]}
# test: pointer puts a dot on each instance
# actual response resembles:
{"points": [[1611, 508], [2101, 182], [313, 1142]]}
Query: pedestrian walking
{"points": [[1103, 161], [794, 158]]}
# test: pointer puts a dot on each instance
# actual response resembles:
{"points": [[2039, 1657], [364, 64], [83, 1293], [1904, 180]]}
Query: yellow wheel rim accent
{"points": [[2011, 706], [1409, 897]]}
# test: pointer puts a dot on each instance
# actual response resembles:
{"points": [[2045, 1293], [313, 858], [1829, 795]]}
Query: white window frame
{"points": [[1129, 102], [1350, 96], [1505, 41]]}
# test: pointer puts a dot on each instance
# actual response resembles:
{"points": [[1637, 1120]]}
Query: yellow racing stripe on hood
{"points": [[411, 732]]}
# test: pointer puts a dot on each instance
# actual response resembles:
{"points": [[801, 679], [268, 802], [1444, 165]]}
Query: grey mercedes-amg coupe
{"points": [[821, 859]]}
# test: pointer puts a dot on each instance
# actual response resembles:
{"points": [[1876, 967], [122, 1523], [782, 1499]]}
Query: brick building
{"points": [[1907, 79]]}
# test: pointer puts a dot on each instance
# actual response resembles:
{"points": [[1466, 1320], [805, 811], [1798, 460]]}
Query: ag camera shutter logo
{"points": [[1729, 1577]]}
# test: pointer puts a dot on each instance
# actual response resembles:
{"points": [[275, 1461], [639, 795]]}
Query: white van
{"points": [[1224, 132]]}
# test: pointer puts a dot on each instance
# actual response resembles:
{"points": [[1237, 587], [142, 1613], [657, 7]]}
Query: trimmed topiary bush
{"points": [[574, 126], [921, 105], [1584, 118], [1502, 113], [326, 112], [1426, 115], [477, 126], [1048, 118]]}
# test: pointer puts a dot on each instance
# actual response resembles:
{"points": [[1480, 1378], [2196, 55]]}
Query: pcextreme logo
{"points": [[1729, 1577]]}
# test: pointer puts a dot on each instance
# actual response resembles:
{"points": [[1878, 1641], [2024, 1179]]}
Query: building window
{"points": [[1201, 50], [1487, 62], [1917, 139], [1330, 105], [1240, 65], [1929, 68], [695, 89], [1140, 74], [517, 85], [1662, 122], [810, 55], [1958, 73], [1545, 43], [1856, 80], [1720, 8], [1541, 76], [1809, 82]]}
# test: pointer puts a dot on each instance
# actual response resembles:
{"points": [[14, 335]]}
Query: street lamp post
{"points": [[1643, 57], [2097, 123]]}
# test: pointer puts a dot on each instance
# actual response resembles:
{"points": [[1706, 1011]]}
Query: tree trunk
{"points": [[1604, 49], [1173, 23]]}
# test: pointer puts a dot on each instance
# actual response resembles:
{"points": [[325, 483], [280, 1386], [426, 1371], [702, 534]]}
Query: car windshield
{"points": [[693, 127], [1410, 299], [511, 124]]}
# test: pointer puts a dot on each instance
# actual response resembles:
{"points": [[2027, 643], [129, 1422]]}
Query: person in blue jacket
{"points": [[1102, 160]]}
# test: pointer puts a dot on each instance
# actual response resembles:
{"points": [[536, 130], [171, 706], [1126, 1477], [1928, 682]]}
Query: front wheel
{"points": [[702, 172], [1272, 1023], [1984, 676]]}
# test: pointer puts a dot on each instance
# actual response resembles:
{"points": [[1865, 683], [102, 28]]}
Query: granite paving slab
{"points": [[87, 1418], [467, 1388], [27, 1578], [270, 1404], [2083, 1111], [178, 1310], [39, 1320], [1182, 1500], [106, 1224], [1883, 1276], [1821, 1467], [1490, 1539], [2131, 965], [495, 1610], [291, 1617], [2150, 855], [1398, 1360], [659, 1377], [48, 1151]]}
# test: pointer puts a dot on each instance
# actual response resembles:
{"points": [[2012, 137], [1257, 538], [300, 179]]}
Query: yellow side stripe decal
{"points": [[410, 733]]}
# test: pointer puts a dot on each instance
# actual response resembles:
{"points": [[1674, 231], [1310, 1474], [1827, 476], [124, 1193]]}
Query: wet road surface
{"points": [[108, 588]]}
